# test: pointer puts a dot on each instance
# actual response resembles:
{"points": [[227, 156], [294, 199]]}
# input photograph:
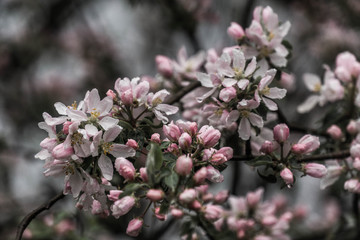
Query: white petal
{"points": [[121, 150], [43, 154], [105, 106], [232, 117], [309, 104], [60, 108], [108, 122], [91, 130], [239, 60], [244, 129], [167, 109], [76, 183], [250, 67], [92, 99], [276, 93], [277, 60], [206, 95], [160, 116], [112, 133], [228, 82], [243, 83], [76, 115], [311, 81], [256, 120], [271, 105], [106, 167], [204, 79], [263, 67]]}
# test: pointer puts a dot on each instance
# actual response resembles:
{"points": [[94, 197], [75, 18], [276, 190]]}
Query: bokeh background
{"points": [[56, 50]]}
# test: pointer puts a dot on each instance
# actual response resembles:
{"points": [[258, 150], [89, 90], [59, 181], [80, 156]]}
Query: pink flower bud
{"points": [[134, 227], [27, 234], [132, 143], [155, 138], [209, 136], [207, 197], [287, 216], [125, 168], [287, 81], [143, 174], [114, 195], [213, 212], [355, 150], [177, 213], [202, 189], [235, 31], [253, 198], [352, 185], [184, 165], [214, 175], [173, 148], [172, 132], [122, 206], [185, 141], [60, 152], [195, 205], [267, 147], [351, 127], [306, 144], [221, 196], [269, 220], [335, 132], [111, 94], [227, 152], [158, 215], [227, 94], [200, 176], [66, 126], [315, 170], [155, 195], [218, 159], [356, 164], [281, 133], [98, 209], [188, 127], [187, 196], [262, 237], [127, 97], [164, 65], [287, 176]]}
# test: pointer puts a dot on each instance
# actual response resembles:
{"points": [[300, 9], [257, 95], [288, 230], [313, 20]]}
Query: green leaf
{"points": [[260, 161], [154, 162], [269, 178], [172, 180], [131, 188], [125, 125]]}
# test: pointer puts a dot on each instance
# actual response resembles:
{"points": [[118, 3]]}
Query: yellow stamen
{"points": [[76, 138], [245, 113], [106, 147], [156, 102], [317, 87], [73, 105], [94, 114]]}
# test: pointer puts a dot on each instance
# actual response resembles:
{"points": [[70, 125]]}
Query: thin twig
{"points": [[29, 217], [177, 96], [318, 157]]}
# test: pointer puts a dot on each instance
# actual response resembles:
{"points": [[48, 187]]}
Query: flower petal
{"points": [[244, 129], [121, 150], [256, 120], [204, 79], [276, 93], [311, 81], [309, 104], [106, 167], [112, 133], [108, 122]]}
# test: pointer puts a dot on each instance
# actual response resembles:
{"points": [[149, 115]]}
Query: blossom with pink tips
{"points": [[306, 144], [132, 92], [213, 212], [287, 176], [315, 170], [125, 168], [155, 195], [208, 136], [187, 196], [172, 131], [235, 31], [352, 185], [281, 133], [347, 67], [134, 227], [122, 206], [184, 165], [156, 105], [335, 132], [164, 66]]}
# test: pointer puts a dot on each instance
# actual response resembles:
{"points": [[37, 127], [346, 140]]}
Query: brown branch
{"points": [[177, 96], [28, 218], [318, 157]]}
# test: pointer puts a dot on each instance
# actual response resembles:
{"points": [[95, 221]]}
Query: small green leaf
{"points": [[269, 178], [125, 125], [154, 162], [131, 188], [172, 180]]}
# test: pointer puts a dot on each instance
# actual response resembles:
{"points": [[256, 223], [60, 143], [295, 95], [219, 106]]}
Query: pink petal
{"points": [[76, 183], [243, 83], [256, 120], [167, 109], [250, 67], [228, 82], [276, 93], [121, 150], [76, 115], [204, 79], [271, 105]]}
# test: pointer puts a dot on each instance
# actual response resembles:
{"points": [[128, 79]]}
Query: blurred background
{"points": [[56, 50]]}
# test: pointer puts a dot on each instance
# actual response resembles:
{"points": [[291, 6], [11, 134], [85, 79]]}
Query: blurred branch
{"points": [[28, 218], [176, 97], [318, 157]]}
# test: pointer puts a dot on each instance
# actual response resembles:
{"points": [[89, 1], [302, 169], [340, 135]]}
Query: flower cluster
{"points": [[283, 158]]}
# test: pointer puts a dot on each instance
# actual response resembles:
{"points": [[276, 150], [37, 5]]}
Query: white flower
{"points": [[156, 105]]}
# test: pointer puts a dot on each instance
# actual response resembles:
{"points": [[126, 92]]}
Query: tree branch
{"points": [[28, 218], [318, 157], [177, 96]]}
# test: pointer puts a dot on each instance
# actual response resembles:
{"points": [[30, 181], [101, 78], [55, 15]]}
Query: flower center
{"points": [[94, 114], [317, 87], [106, 147], [69, 169], [156, 102], [265, 91], [76, 138], [245, 113], [73, 105]]}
